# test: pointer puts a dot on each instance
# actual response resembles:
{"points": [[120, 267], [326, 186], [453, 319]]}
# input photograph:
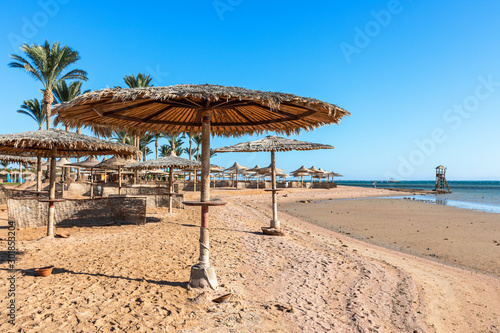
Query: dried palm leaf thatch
{"points": [[272, 143], [115, 163], [170, 161], [302, 170], [67, 144], [18, 159], [174, 109], [236, 167], [90, 162], [268, 169]]}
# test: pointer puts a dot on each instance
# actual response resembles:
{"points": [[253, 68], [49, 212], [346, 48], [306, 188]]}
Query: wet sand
{"points": [[455, 236], [133, 278]]}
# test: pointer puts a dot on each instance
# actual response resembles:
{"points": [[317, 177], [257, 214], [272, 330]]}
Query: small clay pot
{"points": [[45, 271]]}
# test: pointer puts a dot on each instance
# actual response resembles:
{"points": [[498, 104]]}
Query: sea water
{"points": [[478, 195]]}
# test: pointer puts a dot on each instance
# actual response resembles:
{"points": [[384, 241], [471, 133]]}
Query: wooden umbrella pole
{"points": [[202, 274], [274, 222], [119, 180], [91, 183], [52, 193], [170, 187], [38, 173]]}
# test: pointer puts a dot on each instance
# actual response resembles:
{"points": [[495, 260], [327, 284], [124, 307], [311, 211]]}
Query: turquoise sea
{"points": [[477, 195]]}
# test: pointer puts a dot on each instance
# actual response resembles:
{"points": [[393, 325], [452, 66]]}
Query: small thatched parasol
{"points": [[116, 163], [171, 162], [18, 159], [273, 144], [301, 172], [89, 163], [209, 109], [235, 169], [55, 143]]}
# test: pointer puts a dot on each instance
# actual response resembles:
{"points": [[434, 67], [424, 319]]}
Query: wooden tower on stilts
{"points": [[441, 183]]}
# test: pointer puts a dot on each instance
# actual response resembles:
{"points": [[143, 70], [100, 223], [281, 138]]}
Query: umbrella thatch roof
{"points": [[278, 174], [3, 172], [114, 163], [236, 111], [18, 159], [302, 170], [254, 169], [272, 143], [156, 172], [90, 162], [62, 162], [236, 167], [269, 169], [314, 170], [165, 162], [40, 143]]}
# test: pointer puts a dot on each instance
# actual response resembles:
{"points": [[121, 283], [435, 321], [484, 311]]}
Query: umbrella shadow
{"points": [[58, 270], [226, 229], [5, 256]]}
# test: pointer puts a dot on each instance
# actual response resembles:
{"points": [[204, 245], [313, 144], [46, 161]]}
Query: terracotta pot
{"points": [[45, 271]]}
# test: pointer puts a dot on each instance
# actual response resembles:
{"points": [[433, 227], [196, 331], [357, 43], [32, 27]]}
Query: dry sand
{"points": [[133, 278]]}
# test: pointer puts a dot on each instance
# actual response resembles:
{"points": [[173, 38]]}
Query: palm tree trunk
{"points": [[79, 175], [48, 99], [156, 146]]}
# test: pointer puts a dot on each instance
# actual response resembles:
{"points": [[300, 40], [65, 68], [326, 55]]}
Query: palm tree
{"points": [[165, 150], [123, 137], [47, 64], [140, 81], [136, 82], [34, 109], [157, 137], [37, 111], [175, 144], [197, 140], [4, 164], [212, 154], [143, 144], [64, 93]]}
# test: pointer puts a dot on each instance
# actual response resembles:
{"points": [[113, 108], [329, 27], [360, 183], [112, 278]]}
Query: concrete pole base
{"points": [[202, 278], [275, 224]]}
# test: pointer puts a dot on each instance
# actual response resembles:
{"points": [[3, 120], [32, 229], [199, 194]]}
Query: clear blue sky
{"points": [[421, 78]]}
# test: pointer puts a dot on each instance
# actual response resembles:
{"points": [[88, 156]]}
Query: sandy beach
{"points": [[314, 279]]}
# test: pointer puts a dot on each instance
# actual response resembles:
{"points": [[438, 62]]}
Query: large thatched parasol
{"points": [[171, 162], [273, 144], [55, 143], [209, 109]]}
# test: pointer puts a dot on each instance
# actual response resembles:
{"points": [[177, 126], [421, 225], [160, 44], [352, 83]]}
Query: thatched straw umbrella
{"points": [[236, 168], [255, 170], [273, 144], [115, 163], [19, 159], [89, 163], [209, 109], [171, 162], [301, 172], [55, 143], [314, 172]]}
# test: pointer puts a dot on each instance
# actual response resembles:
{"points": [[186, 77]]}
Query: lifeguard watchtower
{"points": [[441, 183]]}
